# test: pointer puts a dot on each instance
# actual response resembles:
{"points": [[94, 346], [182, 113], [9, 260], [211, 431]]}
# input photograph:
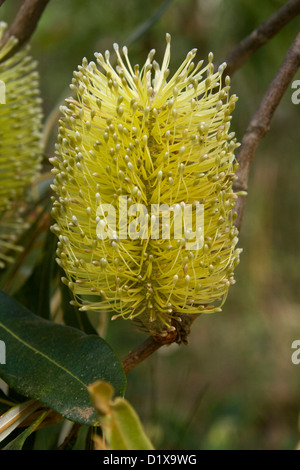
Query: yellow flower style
{"points": [[138, 137], [20, 147]]}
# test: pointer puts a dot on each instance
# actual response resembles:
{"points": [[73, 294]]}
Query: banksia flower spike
{"points": [[20, 142], [135, 143]]}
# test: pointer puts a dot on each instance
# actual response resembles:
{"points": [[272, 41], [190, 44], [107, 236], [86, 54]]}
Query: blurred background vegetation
{"points": [[234, 386]]}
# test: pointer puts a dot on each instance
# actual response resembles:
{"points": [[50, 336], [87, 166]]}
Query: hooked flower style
{"points": [[20, 140], [137, 136]]}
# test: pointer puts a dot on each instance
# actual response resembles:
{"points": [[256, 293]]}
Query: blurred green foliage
{"points": [[234, 386]]}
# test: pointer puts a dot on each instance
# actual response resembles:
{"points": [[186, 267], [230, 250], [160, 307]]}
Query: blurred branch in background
{"points": [[261, 35], [25, 23], [260, 122], [146, 25]]}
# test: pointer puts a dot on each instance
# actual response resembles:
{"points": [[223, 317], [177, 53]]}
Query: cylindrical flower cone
{"points": [[20, 140], [138, 154]]}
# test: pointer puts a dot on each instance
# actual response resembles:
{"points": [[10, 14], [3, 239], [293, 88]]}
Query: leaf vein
{"points": [[42, 354]]}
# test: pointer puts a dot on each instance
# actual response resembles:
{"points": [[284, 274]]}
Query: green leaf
{"points": [[55, 363], [35, 293], [82, 437], [47, 437], [127, 432], [121, 424], [44, 275]]}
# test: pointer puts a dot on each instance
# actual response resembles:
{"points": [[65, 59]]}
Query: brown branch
{"points": [[239, 55], [152, 344], [260, 122], [144, 350], [25, 23]]}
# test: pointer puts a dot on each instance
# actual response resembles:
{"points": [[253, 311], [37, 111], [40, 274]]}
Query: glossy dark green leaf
{"points": [[55, 363]]}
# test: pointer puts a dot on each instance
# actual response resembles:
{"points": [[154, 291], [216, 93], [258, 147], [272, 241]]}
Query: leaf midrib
{"points": [[42, 354]]}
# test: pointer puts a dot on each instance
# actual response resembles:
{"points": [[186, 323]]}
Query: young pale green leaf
{"points": [[55, 363], [122, 426], [127, 432], [82, 437]]}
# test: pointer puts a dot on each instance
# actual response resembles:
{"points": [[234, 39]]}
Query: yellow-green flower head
{"points": [[20, 143], [137, 139]]}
